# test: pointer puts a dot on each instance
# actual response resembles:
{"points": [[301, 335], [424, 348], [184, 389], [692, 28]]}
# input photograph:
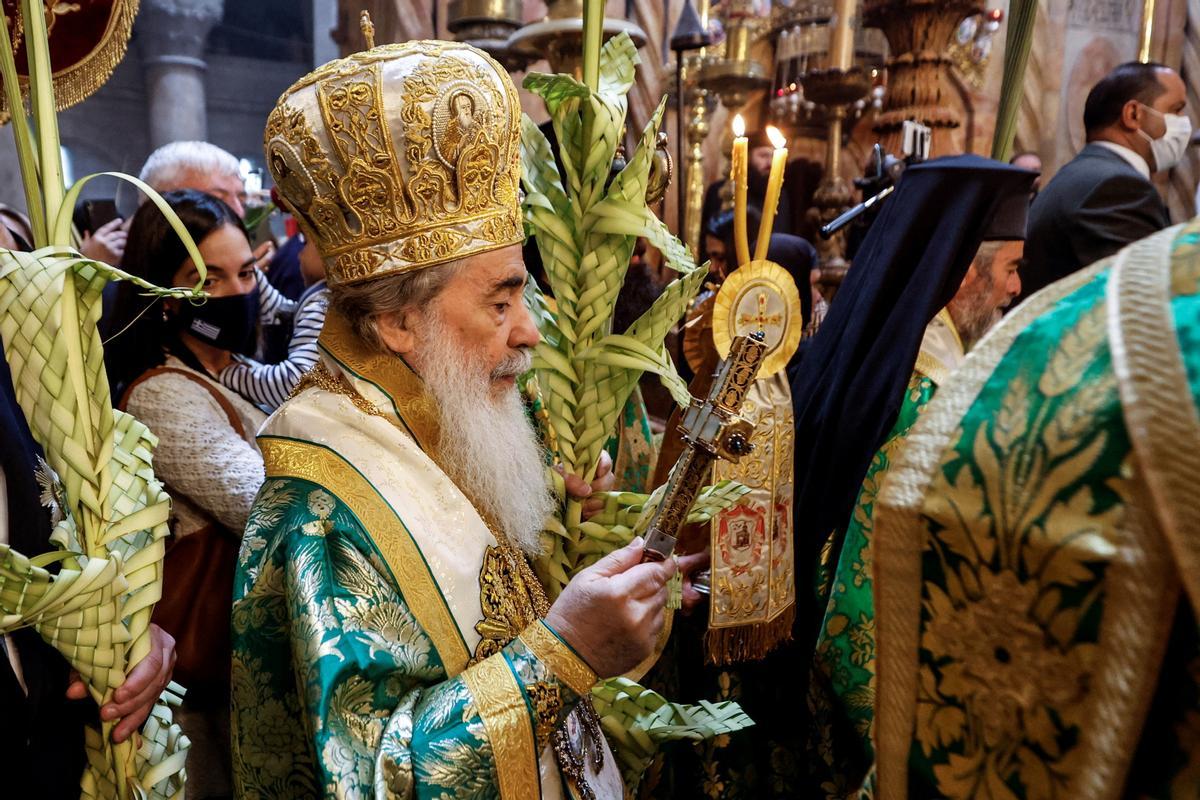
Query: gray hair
{"points": [[363, 303], [169, 165], [985, 257]]}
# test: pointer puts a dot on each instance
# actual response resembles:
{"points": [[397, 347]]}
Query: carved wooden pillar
{"points": [[919, 82]]}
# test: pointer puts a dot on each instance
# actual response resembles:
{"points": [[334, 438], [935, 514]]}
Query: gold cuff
{"points": [[509, 729], [564, 662]]}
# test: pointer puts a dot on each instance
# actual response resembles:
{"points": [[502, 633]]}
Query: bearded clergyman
{"points": [[842, 685], [390, 638]]}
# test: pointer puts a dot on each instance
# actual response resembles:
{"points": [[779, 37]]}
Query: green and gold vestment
{"points": [[386, 644], [841, 693], [1036, 551]]}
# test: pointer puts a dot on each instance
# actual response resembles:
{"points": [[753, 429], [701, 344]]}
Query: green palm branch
{"points": [[586, 222]]}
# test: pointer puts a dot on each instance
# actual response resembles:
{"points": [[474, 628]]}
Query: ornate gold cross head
{"points": [[762, 319]]}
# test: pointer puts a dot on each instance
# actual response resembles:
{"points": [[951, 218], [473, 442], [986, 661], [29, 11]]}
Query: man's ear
{"points": [[1131, 115], [397, 332]]}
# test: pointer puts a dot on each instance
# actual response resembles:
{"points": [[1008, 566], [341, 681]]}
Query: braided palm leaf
{"points": [[110, 513], [627, 514], [638, 721], [96, 609], [586, 226]]}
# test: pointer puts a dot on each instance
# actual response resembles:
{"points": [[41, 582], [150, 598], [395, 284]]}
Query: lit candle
{"points": [[739, 169], [841, 35], [774, 187]]}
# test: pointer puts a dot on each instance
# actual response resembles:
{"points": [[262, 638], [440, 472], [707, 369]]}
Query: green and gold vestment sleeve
{"points": [[842, 685], [337, 690]]}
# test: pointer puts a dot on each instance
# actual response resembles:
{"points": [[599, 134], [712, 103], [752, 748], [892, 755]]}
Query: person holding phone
{"points": [[101, 229]]}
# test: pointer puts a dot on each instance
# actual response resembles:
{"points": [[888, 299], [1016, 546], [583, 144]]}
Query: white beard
{"points": [[487, 445], [973, 312]]}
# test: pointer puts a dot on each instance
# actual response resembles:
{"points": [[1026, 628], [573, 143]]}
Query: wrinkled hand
{"points": [[612, 612], [134, 699], [604, 481], [689, 565], [107, 244]]}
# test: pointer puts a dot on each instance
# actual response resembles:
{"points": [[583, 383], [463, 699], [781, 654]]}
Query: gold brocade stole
{"points": [[753, 601], [362, 426], [497, 695]]}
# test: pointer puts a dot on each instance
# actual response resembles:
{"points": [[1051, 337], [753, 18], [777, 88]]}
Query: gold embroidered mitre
{"points": [[401, 157]]}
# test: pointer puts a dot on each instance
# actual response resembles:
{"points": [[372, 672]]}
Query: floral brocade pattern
{"points": [[841, 692], [1020, 527], [337, 690], [1023, 530]]}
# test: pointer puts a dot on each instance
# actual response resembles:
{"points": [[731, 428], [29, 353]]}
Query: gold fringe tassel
{"points": [[80, 80], [724, 646]]}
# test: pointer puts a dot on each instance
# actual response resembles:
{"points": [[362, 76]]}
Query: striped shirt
{"points": [[268, 385]]}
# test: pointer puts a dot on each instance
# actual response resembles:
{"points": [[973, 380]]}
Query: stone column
{"points": [[172, 35]]}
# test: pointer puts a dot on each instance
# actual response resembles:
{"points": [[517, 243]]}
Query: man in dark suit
{"points": [[1103, 199]]}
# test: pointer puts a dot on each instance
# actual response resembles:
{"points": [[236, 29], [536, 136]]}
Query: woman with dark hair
{"points": [[162, 363]]}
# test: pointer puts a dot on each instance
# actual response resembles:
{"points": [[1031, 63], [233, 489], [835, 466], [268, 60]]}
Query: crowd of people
{"points": [[355, 500]]}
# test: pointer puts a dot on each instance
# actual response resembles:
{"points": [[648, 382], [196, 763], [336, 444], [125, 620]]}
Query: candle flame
{"points": [[739, 125], [776, 136]]}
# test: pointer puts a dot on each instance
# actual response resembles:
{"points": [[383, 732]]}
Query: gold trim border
{"points": [[82, 79], [291, 458], [413, 407], [929, 365], [1156, 397], [931, 368], [505, 715], [564, 662], [899, 534]]}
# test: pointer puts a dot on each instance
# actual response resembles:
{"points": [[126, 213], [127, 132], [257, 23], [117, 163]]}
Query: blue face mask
{"points": [[228, 323]]}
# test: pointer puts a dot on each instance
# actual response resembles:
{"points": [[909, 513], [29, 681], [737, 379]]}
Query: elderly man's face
{"points": [[1006, 280], [482, 310], [977, 305], [228, 188], [468, 345]]}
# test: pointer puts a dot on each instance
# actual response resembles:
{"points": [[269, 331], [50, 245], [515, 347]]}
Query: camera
{"points": [[883, 176]]}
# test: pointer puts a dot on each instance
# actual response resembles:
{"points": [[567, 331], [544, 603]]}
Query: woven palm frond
{"points": [[586, 222], [638, 721], [96, 609], [111, 513]]}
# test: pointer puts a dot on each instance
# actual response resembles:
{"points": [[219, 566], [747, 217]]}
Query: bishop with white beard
{"points": [[390, 638]]}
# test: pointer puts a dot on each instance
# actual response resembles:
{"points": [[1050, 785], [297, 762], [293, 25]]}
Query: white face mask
{"points": [[1168, 148]]}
